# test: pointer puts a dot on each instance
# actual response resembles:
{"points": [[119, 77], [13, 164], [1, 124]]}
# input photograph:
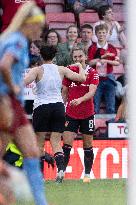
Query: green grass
{"points": [[98, 192]]}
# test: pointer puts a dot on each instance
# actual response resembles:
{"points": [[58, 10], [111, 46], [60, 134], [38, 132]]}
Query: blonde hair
{"points": [[27, 13]]}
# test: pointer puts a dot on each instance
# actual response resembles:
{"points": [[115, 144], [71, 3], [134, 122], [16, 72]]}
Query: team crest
{"points": [[66, 123]]}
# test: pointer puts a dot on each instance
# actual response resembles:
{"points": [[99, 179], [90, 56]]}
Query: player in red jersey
{"points": [[80, 111]]}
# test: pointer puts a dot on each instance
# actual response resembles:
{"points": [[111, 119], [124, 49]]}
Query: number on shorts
{"points": [[91, 125]]}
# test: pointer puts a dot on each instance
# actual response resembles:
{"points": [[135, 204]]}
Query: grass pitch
{"points": [[97, 192]]}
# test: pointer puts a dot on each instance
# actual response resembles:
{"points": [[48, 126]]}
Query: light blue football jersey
{"points": [[17, 45]]}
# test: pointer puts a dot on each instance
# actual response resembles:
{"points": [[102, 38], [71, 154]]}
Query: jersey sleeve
{"points": [[15, 48], [67, 82], [94, 78]]}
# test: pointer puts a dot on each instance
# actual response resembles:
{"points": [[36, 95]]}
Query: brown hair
{"points": [[76, 48], [101, 27]]}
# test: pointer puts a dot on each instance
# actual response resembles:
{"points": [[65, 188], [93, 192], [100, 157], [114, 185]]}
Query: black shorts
{"points": [[49, 118], [85, 126]]}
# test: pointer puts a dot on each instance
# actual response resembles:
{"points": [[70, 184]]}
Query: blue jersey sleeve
{"points": [[15, 45], [16, 49]]}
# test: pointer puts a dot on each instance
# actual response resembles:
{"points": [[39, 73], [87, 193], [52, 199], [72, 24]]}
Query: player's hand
{"points": [[75, 102], [107, 55]]}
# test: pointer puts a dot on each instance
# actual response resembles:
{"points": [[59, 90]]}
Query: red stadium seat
{"points": [[120, 17], [118, 8], [93, 17], [100, 127], [90, 11], [100, 123], [60, 22], [55, 6], [118, 1], [88, 18]]}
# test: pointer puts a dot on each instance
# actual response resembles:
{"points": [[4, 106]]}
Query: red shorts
{"points": [[20, 118]]}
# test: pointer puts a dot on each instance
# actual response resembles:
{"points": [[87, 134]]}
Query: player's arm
{"points": [[111, 58], [90, 94], [31, 75], [86, 97], [64, 93], [5, 69], [111, 62], [73, 75]]}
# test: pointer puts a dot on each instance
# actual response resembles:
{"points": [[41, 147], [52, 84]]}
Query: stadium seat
{"points": [[100, 124], [55, 6], [120, 17], [60, 22], [90, 11], [118, 1], [118, 8], [88, 18], [93, 17]]}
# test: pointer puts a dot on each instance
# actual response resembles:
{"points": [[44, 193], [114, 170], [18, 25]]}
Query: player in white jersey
{"points": [[49, 111]]}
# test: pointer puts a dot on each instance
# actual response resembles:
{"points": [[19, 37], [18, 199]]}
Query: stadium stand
{"points": [[60, 22], [54, 6], [118, 1], [58, 19], [118, 7], [100, 124], [93, 17], [88, 18]]}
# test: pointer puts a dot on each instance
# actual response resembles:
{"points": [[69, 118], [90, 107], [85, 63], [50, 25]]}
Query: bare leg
{"points": [[41, 141], [55, 140], [4, 142], [26, 141]]}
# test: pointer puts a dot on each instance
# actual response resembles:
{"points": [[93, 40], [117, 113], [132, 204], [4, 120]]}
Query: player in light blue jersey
{"points": [[26, 25]]}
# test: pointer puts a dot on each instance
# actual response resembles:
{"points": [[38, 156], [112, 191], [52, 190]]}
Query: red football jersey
{"points": [[77, 90], [111, 49], [10, 7]]}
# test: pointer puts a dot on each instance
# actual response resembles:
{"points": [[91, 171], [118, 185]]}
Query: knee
{"points": [[87, 144]]}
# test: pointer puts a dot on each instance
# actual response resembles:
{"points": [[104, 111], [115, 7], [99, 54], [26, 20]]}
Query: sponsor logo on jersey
{"points": [[20, 1]]}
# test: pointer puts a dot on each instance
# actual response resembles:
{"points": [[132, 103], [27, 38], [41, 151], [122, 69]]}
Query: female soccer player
{"points": [[49, 112], [26, 25], [80, 111]]}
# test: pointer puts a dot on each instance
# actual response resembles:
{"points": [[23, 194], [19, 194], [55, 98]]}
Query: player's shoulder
{"points": [[91, 70], [16, 39], [93, 45], [111, 47], [93, 73]]}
